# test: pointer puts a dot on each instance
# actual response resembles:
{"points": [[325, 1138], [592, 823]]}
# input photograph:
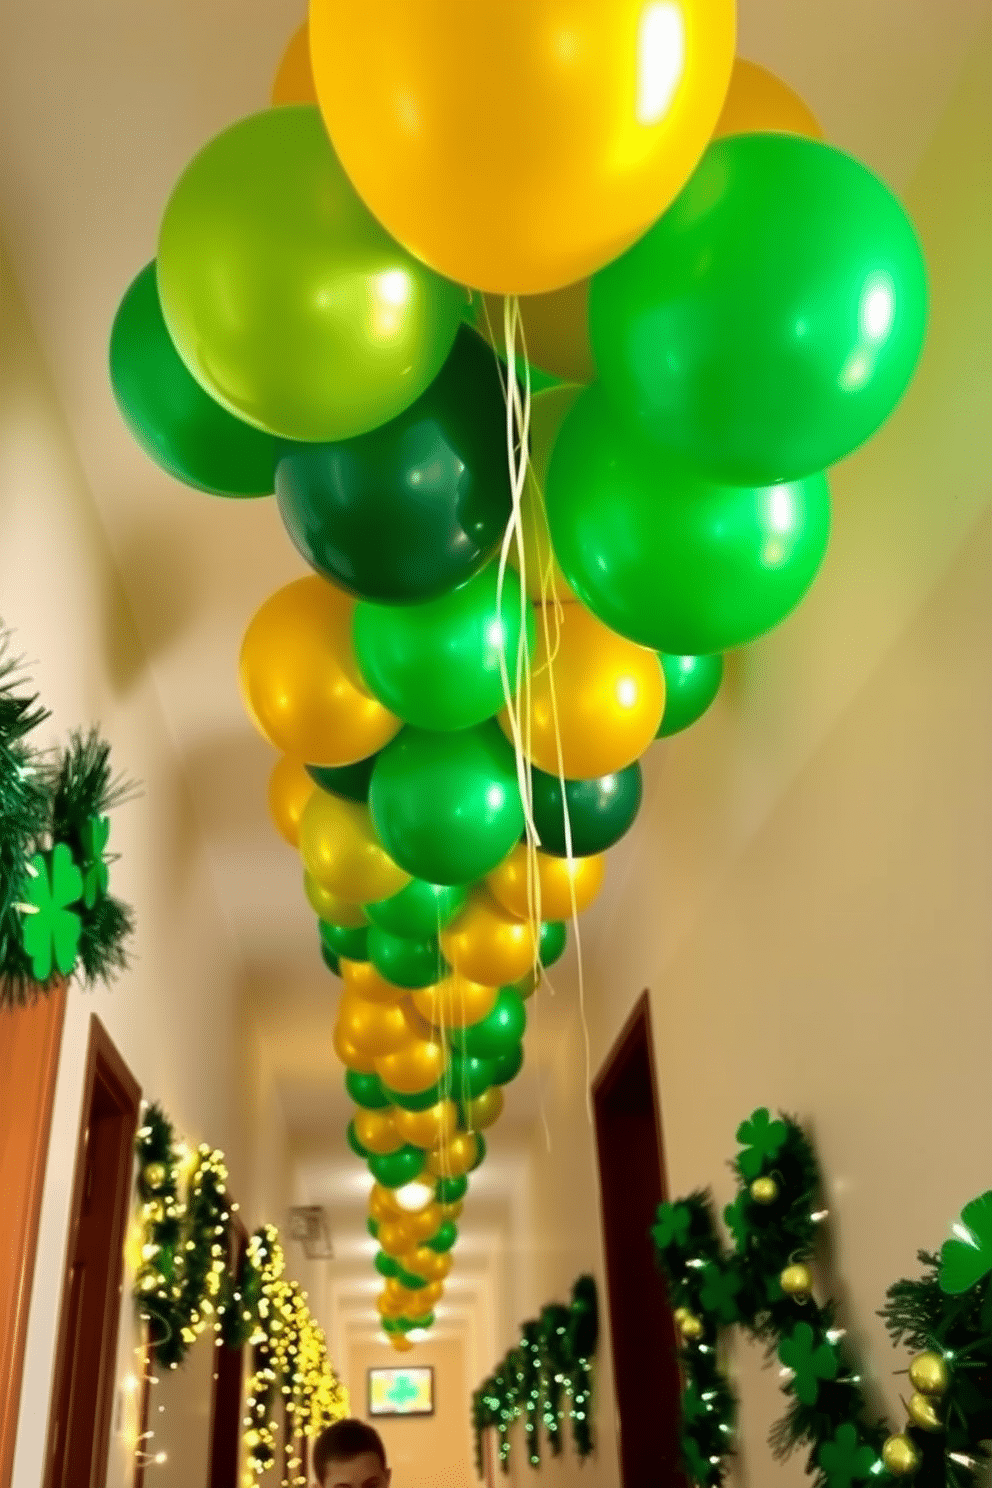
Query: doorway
{"points": [[85, 1357], [632, 1185]]}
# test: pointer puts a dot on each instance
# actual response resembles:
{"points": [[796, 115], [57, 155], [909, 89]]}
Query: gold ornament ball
{"points": [[679, 1314], [691, 1327], [928, 1373], [764, 1190], [922, 1413], [900, 1456], [154, 1174], [796, 1281]]}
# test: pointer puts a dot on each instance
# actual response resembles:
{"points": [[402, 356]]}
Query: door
{"points": [[85, 1358], [631, 1171], [225, 1420]]}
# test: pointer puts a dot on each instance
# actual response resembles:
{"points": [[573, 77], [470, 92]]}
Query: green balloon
{"points": [[447, 806], [345, 940], [772, 317], [393, 1169], [285, 298], [414, 509], [330, 959], [184, 431], [418, 910], [691, 684], [669, 559], [366, 1091], [437, 665], [444, 1239], [350, 781], [405, 963], [420, 1100], [384, 1264], [410, 1280], [354, 1143], [554, 938], [391, 1325], [480, 1155], [468, 1076], [372, 1225], [450, 1190], [600, 811], [508, 1066], [499, 1032]]}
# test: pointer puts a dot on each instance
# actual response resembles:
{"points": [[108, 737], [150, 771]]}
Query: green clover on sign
{"points": [[402, 1391], [761, 1137], [809, 1365], [50, 930], [718, 1292], [96, 876], [672, 1227], [843, 1460], [966, 1258]]}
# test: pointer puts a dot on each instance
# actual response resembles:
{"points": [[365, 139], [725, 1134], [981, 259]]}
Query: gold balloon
{"points": [[331, 907], [362, 978], [455, 1158], [928, 1373], [796, 1281], [556, 878], [601, 695], [293, 82], [900, 1456], [486, 943], [394, 1237], [543, 579], [452, 1211], [424, 1299], [376, 1130], [382, 1203], [290, 788], [456, 1002], [485, 1110], [691, 1327], [414, 1068], [374, 1028], [758, 102], [425, 1224], [922, 1413], [351, 1056], [401, 1343], [300, 681], [430, 1264], [427, 1128], [339, 847], [764, 1190]]}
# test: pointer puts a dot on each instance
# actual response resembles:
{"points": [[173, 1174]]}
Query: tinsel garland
{"points": [[553, 1357], [765, 1286]]}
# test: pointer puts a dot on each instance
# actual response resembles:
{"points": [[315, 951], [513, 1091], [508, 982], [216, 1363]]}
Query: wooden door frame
{"points": [[610, 1068]]}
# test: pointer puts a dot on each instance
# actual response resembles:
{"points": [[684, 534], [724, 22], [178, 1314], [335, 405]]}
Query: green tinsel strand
{"points": [[554, 1362]]}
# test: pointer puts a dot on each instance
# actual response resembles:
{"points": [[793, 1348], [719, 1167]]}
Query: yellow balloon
{"points": [[513, 145], [375, 1028], [485, 1110], [293, 82], [455, 1003], [394, 1237], [382, 1203], [362, 978], [557, 878], [426, 1128], [350, 1055], [543, 578], [424, 1300], [290, 788], [339, 848], [454, 1158], [387, 1306], [414, 1068], [555, 331], [427, 1263], [758, 102], [609, 692], [400, 1343], [452, 1211], [331, 907], [376, 1131], [300, 681], [425, 1224], [486, 943]]}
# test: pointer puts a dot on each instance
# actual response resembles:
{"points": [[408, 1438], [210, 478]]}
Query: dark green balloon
{"points": [[468, 1076], [330, 959], [176, 423], [691, 684], [450, 1190], [393, 1169], [372, 1225], [772, 317], [345, 940], [413, 509], [508, 1066], [418, 910], [437, 665], [366, 1091], [405, 963], [447, 806], [385, 1264], [354, 1143], [350, 781], [444, 1239], [481, 1149], [554, 938], [496, 1034], [420, 1100], [410, 1280], [669, 559], [600, 811]]}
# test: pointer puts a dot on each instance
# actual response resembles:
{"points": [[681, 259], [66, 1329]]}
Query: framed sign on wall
{"points": [[401, 1392]]}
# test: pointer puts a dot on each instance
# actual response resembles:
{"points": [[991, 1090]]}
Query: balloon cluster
{"points": [[524, 571]]}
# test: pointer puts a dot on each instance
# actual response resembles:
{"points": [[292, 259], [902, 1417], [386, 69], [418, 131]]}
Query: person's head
{"points": [[350, 1454]]}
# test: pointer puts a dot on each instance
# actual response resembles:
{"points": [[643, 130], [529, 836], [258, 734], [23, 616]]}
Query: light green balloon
{"points": [[285, 298]]}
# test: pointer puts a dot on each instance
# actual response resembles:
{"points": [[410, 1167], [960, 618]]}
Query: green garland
{"points": [[765, 1286], [553, 1357], [56, 914]]}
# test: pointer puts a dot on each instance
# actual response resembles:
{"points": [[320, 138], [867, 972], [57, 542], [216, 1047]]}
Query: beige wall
{"points": [[424, 1452]]}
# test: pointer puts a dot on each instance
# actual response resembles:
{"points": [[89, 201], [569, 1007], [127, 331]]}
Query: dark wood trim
{"points": [[611, 1066], [228, 1378]]}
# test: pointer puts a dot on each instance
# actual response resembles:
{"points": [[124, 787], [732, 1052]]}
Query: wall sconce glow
{"points": [[414, 1196], [660, 59]]}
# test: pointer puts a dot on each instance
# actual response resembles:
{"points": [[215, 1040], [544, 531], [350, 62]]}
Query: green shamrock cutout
{"points": [[735, 1220], [761, 1137], [402, 1391], [672, 1227], [96, 876], [843, 1460], [967, 1257], [809, 1365], [50, 930], [718, 1292]]}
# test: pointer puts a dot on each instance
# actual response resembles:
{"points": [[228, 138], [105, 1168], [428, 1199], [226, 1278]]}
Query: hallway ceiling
{"points": [[104, 102]]}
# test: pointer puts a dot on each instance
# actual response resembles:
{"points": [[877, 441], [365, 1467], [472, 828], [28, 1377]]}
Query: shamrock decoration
{"points": [[809, 1365], [94, 836], [735, 1220], [402, 1391], [967, 1257], [50, 930], [843, 1460], [761, 1138], [718, 1292], [672, 1227]]}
